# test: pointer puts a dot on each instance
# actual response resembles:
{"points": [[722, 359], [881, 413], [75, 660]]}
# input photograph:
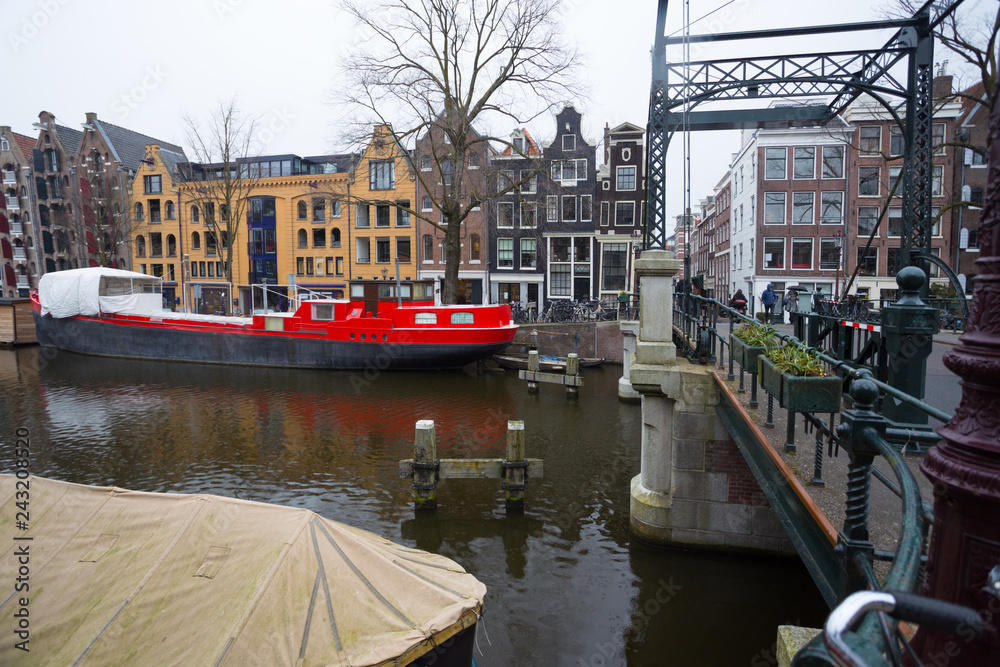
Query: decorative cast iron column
{"points": [[965, 467]]}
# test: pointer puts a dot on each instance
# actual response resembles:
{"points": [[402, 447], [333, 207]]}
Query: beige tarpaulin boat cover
{"points": [[123, 577]]}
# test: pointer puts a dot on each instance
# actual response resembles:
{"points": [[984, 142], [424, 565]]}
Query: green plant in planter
{"points": [[756, 334], [800, 381], [750, 341]]}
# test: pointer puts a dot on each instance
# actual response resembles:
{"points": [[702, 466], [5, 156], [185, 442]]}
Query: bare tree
{"points": [[970, 32], [224, 174], [445, 69]]}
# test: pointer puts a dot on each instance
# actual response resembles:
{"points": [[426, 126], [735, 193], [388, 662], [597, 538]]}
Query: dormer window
{"points": [[519, 144]]}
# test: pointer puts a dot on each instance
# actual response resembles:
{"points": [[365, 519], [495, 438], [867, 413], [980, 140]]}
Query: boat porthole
{"points": [[352, 336], [362, 336], [385, 337]]}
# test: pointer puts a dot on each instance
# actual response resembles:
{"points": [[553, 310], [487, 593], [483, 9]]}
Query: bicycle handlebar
{"points": [[937, 614]]}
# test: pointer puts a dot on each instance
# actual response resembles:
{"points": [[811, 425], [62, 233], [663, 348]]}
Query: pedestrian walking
{"points": [[791, 303], [769, 298]]}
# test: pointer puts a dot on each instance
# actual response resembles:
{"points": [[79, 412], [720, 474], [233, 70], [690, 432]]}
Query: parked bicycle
{"points": [[944, 616], [520, 314]]}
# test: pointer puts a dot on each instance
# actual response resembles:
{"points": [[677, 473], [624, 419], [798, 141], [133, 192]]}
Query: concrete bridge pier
{"points": [[694, 488], [630, 330]]}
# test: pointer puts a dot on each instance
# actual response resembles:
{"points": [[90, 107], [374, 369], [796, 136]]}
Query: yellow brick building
{"points": [[383, 192], [311, 223]]}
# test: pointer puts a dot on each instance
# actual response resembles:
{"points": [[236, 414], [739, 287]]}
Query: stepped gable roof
{"points": [[70, 138], [26, 144], [130, 146], [533, 148]]}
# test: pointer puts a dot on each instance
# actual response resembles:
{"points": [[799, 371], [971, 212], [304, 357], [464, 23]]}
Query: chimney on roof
{"points": [[91, 117]]}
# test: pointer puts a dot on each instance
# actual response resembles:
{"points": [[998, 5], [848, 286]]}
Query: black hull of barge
{"points": [[106, 339]]}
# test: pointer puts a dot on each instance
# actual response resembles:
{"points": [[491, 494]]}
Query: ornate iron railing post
{"points": [[965, 467], [908, 327], [855, 537]]}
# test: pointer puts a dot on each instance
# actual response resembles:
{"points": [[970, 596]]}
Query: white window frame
{"points": [[520, 257], [571, 198], [588, 208], [812, 252], [505, 205], [812, 207], [822, 206], [796, 158], [766, 240], [767, 159], [552, 208], [784, 206], [630, 205], [878, 140], [572, 143], [618, 178], [843, 159], [502, 241], [533, 208]]}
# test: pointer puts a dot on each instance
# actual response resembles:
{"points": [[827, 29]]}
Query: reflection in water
{"points": [[567, 584]]}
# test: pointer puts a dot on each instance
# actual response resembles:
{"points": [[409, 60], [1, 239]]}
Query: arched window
{"points": [[170, 210], [303, 239], [302, 210], [29, 242], [121, 263], [976, 196], [474, 247], [140, 214], [473, 160], [428, 248], [140, 246], [335, 238], [195, 241], [171, 246], [209, 213], [194, 214]]}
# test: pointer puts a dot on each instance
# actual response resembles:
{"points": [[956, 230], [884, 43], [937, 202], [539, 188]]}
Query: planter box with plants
{"points": [[799, 380], [749, 341]]}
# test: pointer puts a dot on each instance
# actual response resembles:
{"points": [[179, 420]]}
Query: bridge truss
{"points": [[678, 89]]}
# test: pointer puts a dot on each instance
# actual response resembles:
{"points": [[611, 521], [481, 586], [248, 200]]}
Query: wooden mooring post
{"points": [[427, 470], [572, 378]]}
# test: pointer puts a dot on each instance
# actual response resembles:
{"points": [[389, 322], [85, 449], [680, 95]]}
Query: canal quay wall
{"points": [[587, 339]]}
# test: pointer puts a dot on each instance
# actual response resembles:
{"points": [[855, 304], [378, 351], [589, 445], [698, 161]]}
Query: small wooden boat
{"points": [[546, 363]]}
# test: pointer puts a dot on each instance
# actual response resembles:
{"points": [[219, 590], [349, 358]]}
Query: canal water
{"points": [[567, 584]]}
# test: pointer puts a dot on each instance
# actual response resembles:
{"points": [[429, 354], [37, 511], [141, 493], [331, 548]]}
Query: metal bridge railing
{"points": [[859, 356]]}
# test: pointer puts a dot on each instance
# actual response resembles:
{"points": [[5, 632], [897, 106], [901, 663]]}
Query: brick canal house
{"points": [[19, 231], [436, 172], [876, 161], [543, 231], [789, 191], [620, 199], [970, 185]]}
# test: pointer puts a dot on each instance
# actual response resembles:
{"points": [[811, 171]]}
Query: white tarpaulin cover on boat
{"points": [[91, 291], [126, 577]]}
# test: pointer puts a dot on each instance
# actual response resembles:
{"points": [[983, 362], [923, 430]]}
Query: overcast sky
{"points": [[144, 65]]}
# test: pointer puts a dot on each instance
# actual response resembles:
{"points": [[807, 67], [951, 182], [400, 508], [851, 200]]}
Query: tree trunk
{"points": [[452, 257]]}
